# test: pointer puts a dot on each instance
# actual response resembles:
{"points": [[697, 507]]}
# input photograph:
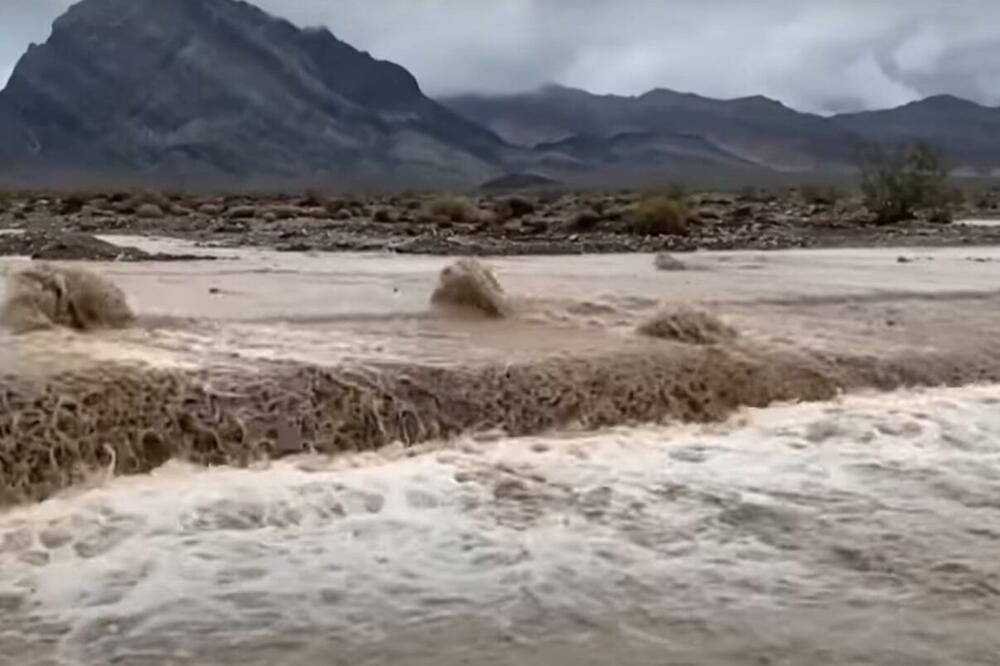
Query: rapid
{"points": [[300, 459]]}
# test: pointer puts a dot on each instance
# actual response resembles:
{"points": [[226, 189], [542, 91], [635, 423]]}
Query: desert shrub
{"points": [[660, 216], [823, 195], [69, 204], [384, 214], [515, 206], [149, 211], [985, 198], [451, 208], [312, 198], [585, 220], [898, 182]]}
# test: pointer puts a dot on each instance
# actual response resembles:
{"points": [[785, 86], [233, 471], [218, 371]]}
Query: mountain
{"points": [[752, 131], [220, 93], [663, 130], [206, 91], [967, 132]]}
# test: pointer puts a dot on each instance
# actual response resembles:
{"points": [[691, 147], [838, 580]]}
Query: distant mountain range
{"points": [[664, 130], [217, 92]]}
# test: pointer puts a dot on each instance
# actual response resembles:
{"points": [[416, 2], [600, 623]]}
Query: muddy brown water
{"points": [[856, 529]]}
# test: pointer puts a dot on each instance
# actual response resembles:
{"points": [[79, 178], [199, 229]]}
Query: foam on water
{"points": [[859, 531]]}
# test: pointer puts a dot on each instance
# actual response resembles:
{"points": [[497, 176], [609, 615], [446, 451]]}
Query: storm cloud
{"points": [[815, 55]]}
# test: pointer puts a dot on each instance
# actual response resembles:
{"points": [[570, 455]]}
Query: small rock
{"points": [[666, 262], [904, 260], [210, 209]]}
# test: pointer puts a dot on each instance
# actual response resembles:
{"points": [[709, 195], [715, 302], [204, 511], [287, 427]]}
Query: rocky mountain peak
{"points": [[164, 87]]}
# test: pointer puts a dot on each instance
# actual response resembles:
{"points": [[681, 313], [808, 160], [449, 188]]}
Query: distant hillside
{"points": [[218, 92], [663, 126], [969, 133]]}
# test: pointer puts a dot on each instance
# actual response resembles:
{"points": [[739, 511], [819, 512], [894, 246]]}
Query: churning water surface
{"points": [[863, 531], [858, 531]]}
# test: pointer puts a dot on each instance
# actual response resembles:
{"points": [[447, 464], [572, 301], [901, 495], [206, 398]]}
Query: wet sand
{"points": [[857, 530]]}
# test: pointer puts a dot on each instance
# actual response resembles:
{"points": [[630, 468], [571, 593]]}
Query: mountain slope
{"points": [[753, 130], [968, 133], [220, 90]]}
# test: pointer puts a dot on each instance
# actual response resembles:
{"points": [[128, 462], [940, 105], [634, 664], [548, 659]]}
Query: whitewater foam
{"points": [[858, 531]]}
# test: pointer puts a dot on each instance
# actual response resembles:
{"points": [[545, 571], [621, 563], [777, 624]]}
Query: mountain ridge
{"points": [[219, 91], [755, 128]]}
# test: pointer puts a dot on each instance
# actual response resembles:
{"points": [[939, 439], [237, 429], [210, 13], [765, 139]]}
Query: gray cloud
{"points": [[818, 55]]}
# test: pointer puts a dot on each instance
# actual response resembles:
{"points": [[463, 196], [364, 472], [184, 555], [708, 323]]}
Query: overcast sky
{"points": [[815, 55]]}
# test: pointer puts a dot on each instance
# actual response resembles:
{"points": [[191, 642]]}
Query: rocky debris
{"points": [[69, 246], [470, 225]]}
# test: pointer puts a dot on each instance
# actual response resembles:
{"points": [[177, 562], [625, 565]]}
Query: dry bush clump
{"points": [[821, 195], [898, 182], [585, 220], [45, 296], [450, 209], [515, 206], [149, 211], [384, 214], [660, 216], [470, 285], [68, 205]]}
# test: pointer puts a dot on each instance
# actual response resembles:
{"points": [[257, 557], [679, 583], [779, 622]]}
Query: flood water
{"points": [[864, 530]]}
